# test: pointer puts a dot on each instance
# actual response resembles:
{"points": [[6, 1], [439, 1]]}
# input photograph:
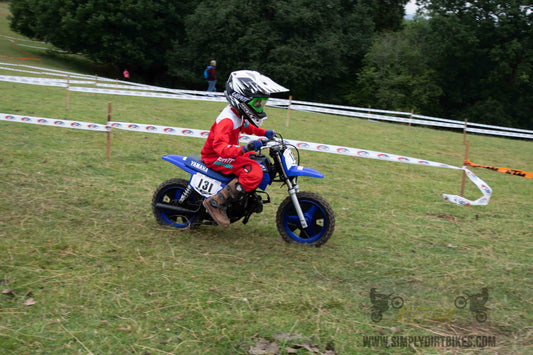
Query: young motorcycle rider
{"points": [[247, 93]]}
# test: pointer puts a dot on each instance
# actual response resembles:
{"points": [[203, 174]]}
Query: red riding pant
{"points": [[247, 170]]}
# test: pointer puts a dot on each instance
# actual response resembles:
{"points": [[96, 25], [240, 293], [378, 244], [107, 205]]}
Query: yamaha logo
{"points": [[199, 166]]}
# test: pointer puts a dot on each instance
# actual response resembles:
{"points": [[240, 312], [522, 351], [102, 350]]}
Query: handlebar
{"points": [[271, 142]]}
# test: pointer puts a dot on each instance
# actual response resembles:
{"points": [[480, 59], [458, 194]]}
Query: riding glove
{"points": [[254, 145], [269, 134]]}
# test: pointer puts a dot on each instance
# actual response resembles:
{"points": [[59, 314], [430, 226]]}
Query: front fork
{"points": [[293, 189]]}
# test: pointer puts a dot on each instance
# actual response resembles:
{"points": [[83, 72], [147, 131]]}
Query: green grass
{"points": [[79, 239]]}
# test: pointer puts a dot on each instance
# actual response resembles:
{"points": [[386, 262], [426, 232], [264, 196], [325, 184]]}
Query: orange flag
{"points": [[501, 170]]}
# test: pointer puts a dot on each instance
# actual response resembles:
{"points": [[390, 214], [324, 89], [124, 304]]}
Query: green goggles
{"points": [[258, 104]]}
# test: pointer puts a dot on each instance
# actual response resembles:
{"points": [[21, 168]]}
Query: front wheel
{"points": [[397, 302], [318, 214]]}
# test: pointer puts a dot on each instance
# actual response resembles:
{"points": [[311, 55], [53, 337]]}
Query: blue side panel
{"points": [[179, 161], [303, 171], [193, 166]]}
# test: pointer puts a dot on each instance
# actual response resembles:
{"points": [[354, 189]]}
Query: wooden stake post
{"points": [[464, 172], [68, 90], [464, 131], [289, 111], [108, 132]]}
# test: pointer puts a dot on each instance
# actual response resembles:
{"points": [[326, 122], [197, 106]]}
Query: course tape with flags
{"points": [[126, 88], [55, 122], [326, 148], [318, 147]]}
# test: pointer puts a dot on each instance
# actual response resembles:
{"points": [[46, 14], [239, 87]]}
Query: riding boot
{"points": [[216, 205]]}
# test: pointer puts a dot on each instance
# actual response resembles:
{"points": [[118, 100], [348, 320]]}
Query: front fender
{"points": [[304, 171]]}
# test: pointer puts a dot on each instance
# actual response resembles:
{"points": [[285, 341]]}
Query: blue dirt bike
{"points": [[303, 217]]}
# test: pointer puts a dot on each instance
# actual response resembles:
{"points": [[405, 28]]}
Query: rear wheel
{"points": [[376, 316], [481, 317], [318, 214], [167, 209], [460, 302]]}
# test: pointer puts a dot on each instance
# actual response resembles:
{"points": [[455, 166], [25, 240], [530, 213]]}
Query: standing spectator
{"points": [[211, 76], [126, 74]]}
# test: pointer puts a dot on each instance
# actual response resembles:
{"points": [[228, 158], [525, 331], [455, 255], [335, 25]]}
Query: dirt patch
{"points": [[444, 216]]}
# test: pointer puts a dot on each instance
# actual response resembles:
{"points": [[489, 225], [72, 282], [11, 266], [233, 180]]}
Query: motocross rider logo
{"points": [[477, 304], [380, 304]]}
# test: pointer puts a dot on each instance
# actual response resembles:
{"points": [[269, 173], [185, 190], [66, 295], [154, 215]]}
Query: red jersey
{"points": [[222, 145]]}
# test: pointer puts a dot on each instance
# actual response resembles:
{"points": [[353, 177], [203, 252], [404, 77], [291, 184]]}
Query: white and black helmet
{"points": [[248, 91]]}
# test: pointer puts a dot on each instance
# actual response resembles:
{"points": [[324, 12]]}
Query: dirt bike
{"points": [[381, 304], [477, 308], [303, 217]]}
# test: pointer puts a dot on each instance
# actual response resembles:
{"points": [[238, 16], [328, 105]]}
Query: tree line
{"points": [[459, 60]]}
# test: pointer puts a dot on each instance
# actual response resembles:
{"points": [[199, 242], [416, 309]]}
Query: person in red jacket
{"points": [[247, 93]]}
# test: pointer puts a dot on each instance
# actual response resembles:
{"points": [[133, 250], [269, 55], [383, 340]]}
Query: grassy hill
{"points": [[84, 267]]}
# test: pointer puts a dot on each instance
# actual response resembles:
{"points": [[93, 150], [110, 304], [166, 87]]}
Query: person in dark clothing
{"points": [[211, 76]]}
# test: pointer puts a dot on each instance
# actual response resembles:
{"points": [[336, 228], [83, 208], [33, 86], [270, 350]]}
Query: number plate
{"points": [[205, 185], [290, 161]]}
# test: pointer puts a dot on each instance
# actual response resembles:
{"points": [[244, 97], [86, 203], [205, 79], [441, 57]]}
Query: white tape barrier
{"points": [[55, 122], [318, 147], [438, 123], [47, 71], [31, 80], [341, 109], [280, 103], [146, 91], [45, 82], [43, 48], [35, 72], [149, 94], [22, 39]]}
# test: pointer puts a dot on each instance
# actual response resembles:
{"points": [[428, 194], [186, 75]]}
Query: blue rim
{"points": [[312, 212], [174, 193]]}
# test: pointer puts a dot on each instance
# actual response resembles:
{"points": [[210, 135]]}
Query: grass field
{"points": [[84, 268]]}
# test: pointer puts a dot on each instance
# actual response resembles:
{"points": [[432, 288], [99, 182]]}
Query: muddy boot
{"points": [[216, 205]]}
